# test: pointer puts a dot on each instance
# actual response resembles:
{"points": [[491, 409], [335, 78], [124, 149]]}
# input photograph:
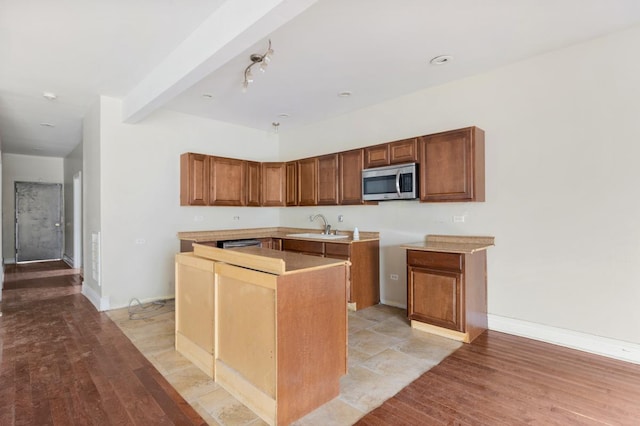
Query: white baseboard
{"points": [[68, 260], [612, 348], [101, 303]]}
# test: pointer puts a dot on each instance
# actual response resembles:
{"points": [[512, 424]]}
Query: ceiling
{"points": [[189, 55]]}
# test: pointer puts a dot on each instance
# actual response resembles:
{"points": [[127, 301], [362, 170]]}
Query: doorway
{"points": [[38, 219]]}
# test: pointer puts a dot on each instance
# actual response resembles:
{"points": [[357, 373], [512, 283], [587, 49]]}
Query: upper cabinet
{"points": [[291, 193], [194, 179], [328, 179], [452, 166], [308, 182], [228, 182], [350, 176], [273, 184], [253, 183], [403, 151]]}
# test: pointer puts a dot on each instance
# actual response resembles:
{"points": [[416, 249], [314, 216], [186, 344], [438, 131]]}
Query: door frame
{"points": [[77, 220]]}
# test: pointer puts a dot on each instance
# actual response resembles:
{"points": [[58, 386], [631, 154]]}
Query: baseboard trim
{"points": [[100, 303], [68, 260], [612, 348]]}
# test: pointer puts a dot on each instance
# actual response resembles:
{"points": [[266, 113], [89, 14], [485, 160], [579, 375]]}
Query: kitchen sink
{"points": [[318, 236]]}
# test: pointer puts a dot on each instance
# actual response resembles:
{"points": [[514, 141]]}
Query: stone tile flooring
{"points": [[385, 354]]}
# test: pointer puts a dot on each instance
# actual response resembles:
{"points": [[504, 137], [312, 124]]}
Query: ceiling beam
{"points": [[229, 31]]}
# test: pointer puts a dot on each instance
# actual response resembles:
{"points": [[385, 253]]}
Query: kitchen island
{"points": [[277, 321], [363, 253]]}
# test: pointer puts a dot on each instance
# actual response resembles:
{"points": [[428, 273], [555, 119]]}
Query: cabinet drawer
{"points": [[434, 259], [335, 250], [311, 247]]}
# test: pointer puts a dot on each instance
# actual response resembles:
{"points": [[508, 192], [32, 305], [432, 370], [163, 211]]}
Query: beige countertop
{"points": [[267, 260], [452, 244], [275, 232]]}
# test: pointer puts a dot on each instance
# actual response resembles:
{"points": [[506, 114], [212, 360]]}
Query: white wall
{"points": [[140, 193], [562, 183], [72, 164], [91, 202], [22, 168]]}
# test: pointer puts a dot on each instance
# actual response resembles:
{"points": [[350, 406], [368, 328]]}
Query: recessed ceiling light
{"points": [[283, 115], [47, 124], [207, 96], [345, 94], [441, 60], [49, 96]]}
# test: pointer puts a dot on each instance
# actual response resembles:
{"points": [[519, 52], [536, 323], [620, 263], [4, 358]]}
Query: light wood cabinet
{"points": [[448, 292], [253, 183], [308, 182], [291, 193], [273, 178], [194, 179], [195, 310], [452, 166], [228, 182], [328, 179], [350, 165], [280, 325], [364, 272]]}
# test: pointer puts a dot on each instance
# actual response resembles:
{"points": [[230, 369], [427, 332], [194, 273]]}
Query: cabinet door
{"points": [[350, 177], [434, 297], [228, 182], [376, 156], [291, 193], [328, 179], [312, 248], [404, 151], [194, 179], [452, 166], [308, 182], [253, 184], [273, 184]]}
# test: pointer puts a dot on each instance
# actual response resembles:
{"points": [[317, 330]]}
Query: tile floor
{"points": [[385, 354]]}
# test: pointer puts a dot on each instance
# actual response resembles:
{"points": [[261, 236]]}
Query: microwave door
{"points": [[379, 185]]}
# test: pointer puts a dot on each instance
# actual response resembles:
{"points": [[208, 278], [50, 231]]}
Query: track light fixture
{"points": [[256, 58]]}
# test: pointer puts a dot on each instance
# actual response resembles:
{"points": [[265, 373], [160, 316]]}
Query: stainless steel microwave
{"points": [[398, 182]]}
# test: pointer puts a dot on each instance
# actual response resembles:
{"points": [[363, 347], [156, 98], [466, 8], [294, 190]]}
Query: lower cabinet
{"points": [[447, 293], [364, 273]]}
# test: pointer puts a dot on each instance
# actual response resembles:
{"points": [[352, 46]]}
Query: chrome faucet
{"points": [[327, 227]]}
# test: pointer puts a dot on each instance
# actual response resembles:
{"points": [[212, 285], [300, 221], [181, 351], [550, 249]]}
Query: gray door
{"points": [[38, 221]]}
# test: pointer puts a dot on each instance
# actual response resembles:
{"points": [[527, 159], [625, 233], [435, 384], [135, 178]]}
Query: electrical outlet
{"points": [[140, 241], [394, 277], [236, 218], [198, 218], [340, 218], [310, 218], [458, 219]]}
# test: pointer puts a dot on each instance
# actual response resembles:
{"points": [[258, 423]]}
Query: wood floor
{"points": [[504, 379], [63, 363]]}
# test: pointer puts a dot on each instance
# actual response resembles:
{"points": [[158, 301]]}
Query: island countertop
{"points": [[452, 244], [267, 260]]}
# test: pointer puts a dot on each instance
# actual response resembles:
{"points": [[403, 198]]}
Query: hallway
{"points": [[62, 362]]}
